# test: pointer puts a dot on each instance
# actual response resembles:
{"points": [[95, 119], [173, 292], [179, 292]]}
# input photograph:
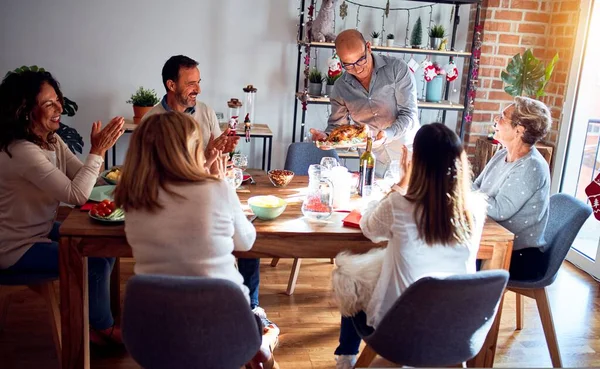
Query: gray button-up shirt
{"points": [[389, 105]]}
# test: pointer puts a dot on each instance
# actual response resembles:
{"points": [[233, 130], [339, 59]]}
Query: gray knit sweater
{"points": [[518, 196]]}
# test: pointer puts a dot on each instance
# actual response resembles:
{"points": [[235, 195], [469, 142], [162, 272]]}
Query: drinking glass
{"points": [[327, 163], [240, 161], [234, 177]]}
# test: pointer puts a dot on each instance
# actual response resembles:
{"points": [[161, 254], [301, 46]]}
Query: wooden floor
{"points": [[309, 323]]}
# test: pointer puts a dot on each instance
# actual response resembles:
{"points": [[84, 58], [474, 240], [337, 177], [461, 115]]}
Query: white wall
{"points": [[101, 51]]}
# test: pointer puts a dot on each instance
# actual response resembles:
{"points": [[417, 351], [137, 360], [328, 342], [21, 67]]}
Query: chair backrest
{"points": [[302, 154], [440, 322], [188, 322], [566, 217]]}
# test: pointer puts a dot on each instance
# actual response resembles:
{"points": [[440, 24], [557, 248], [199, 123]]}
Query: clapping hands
{"points": [[103, 139]]}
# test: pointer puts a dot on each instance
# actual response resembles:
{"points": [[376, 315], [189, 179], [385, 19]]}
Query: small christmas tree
{"points": [[416, 37]]}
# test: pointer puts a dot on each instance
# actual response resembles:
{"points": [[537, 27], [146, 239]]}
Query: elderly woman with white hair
{"points": [[517, 183]]}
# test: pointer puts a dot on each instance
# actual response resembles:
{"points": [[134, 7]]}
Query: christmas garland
{"points": [[472, 88]]}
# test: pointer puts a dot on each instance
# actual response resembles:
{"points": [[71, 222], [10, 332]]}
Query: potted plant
{"points": [[69, 135], [416, 36], [436, 35], [375, 38], [330, 81], [525, 75], [390, 40], [143, 100], [315, 82]]}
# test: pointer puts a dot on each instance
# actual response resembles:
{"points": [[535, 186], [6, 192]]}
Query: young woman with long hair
{"points": [[180, 218], [432, 223]]}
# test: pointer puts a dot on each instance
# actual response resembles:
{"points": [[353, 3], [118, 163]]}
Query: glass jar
{"points": [[249, 100], [318, 203]]}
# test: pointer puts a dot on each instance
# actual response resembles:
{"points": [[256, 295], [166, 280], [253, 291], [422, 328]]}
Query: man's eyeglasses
{"points": [[359, 63]]}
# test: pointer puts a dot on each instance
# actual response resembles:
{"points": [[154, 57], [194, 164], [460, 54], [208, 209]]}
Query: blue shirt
{"points": [[389, 105]]}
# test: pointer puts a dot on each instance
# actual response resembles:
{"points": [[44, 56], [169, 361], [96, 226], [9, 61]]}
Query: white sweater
{"points": [[407, 257], [192, 236]]}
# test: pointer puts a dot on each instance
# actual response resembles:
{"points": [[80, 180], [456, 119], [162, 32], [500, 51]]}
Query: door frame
{"points": [[566, 126]]}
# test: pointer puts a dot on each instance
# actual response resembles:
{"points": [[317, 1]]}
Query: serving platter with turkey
{"points": [[345, 136]]}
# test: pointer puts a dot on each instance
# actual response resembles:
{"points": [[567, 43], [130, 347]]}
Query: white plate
{"points": [[336, 145], [101, 193], [106, 220]]}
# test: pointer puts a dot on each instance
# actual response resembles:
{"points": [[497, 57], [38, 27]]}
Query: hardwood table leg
{"points": [[115, 290], [73, 305], [500, 260]]}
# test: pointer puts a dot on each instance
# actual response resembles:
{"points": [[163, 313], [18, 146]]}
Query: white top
{"points": [[192, 236], [32, 185], [202, 113], [407, 257]]}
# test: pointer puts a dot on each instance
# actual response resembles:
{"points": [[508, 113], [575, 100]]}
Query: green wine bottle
{"points": [[367, 170]]}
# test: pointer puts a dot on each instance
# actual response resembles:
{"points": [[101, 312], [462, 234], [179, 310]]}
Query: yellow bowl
{"points": [[267, 207], [280, 177]]}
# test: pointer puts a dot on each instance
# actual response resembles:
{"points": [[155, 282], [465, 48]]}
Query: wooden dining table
{"points": [[291, 235]]}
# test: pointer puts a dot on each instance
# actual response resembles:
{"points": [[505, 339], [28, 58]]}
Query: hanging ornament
{"points": [[593, 193], [343, 10], [430, 72], [413, 65], [335, 66], [451, 71], [426, 63], [387, 9]]}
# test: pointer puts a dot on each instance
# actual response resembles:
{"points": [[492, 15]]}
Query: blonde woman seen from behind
{"points": [[432, 230], [181, 219]]}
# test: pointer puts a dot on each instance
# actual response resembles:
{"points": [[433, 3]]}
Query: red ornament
{"points": [[593, 193], [431, 71]]}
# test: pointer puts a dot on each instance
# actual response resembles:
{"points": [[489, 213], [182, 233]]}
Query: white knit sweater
{"points": [[192, 236]]}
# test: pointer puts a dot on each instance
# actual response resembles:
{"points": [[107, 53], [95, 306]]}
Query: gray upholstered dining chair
{"points": [[172, 322], [299, 157], [436, 322], [567, 216]]}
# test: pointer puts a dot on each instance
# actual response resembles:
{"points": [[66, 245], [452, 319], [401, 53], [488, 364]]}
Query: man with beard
{"points": [[181, 78]]}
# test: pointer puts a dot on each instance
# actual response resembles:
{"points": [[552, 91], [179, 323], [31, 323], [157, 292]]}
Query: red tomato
{"points": [[94, 212], [112, 206], [101, 206], [106, 201], [107, 211], [101, 214]]}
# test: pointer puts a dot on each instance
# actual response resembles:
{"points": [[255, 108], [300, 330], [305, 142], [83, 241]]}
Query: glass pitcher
{"points": [[318, 203]]}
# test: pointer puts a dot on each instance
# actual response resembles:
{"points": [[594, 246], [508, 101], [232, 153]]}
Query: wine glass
{"points": [[234, 177], [240, 161], [394, 171]]}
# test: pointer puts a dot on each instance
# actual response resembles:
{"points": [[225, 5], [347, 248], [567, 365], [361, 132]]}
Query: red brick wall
{"points": [[510, 27]]}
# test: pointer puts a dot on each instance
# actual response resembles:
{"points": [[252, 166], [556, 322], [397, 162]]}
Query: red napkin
{"points": [[352, 219], [88, 206]]}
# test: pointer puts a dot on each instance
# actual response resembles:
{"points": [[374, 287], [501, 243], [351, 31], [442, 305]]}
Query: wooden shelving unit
{"points": [[442, 105], [445, 105], [395, 49]]}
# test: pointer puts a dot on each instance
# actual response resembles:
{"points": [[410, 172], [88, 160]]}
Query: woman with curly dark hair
{"points": [[38, 173]]}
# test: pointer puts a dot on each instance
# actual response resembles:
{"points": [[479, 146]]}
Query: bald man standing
{"points": [[376, 90]]}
